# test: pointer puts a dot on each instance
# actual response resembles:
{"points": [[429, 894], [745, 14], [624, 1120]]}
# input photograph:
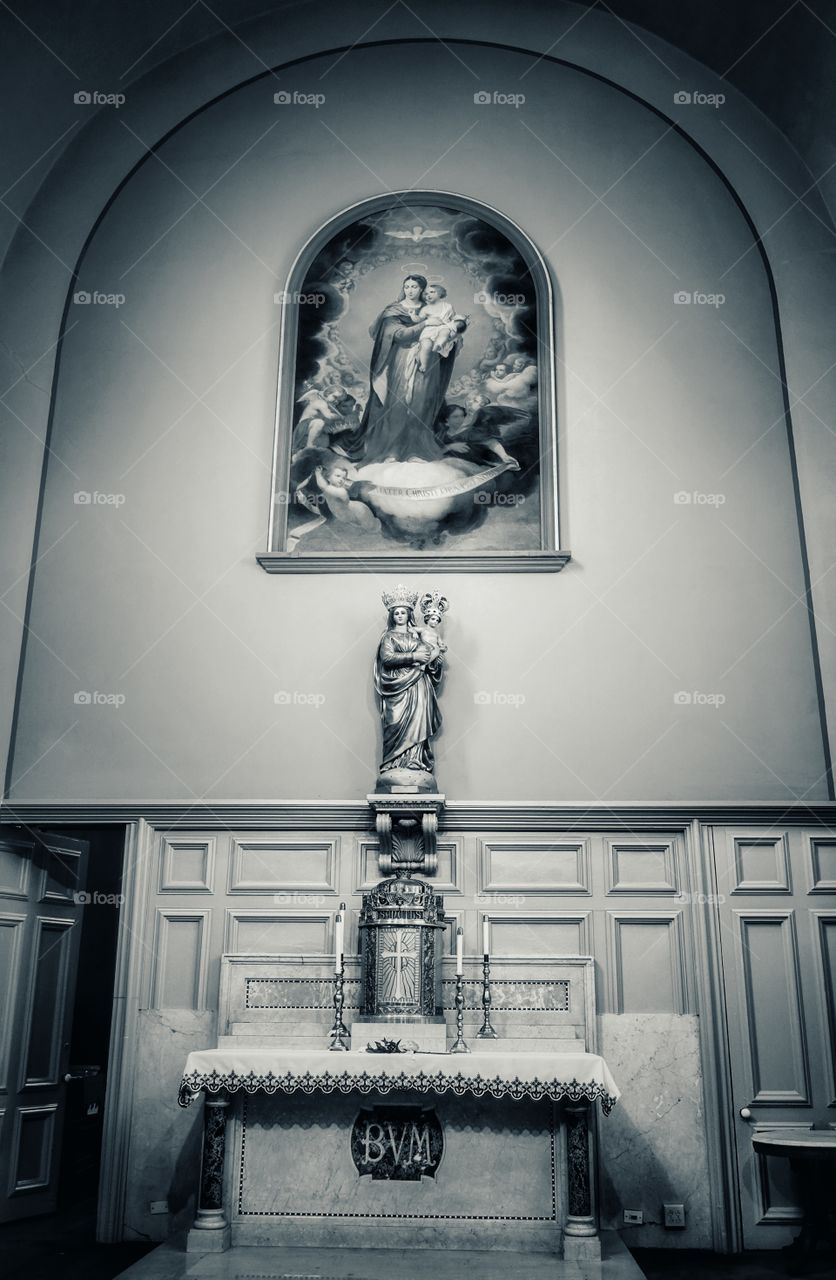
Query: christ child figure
{"points": [[433, 606], [443, 327]]}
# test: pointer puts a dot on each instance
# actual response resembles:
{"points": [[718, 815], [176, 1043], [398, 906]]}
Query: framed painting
{"points": [[416, 406]]}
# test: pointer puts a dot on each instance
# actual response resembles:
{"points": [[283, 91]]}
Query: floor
{"points": [[686, 1264], [62, 1246], [170, 1262]]}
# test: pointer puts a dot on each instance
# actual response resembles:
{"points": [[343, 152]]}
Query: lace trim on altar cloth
{"points": [[367, 1082]]}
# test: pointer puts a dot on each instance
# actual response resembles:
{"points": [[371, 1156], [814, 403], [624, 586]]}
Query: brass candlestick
{"points": [[486, 1031], [339, 1032], [459, 1045]]}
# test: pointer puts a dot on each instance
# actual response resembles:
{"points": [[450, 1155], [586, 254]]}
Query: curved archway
{"points": [[584, 71]]}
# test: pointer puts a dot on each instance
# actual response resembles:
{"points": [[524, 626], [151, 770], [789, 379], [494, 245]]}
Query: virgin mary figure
{"points": [[406, 675], [403, 406]]}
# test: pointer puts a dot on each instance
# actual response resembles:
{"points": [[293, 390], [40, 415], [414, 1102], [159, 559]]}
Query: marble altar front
{"points": [[493, 1149]]}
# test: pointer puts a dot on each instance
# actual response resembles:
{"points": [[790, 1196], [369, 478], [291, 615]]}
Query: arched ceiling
{"points": [[780, 53]]}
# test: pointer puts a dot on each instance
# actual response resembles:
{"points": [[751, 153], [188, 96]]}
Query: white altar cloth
{"points": [[571, 1077]]}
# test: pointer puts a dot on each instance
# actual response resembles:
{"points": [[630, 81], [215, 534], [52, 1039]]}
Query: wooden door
{"points": [[42, 878], [777, 905]]}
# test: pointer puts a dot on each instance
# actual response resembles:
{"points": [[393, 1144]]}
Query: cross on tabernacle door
{"points": [[400, 960]]}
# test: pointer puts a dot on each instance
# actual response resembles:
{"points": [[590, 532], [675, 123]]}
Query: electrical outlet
{"points": [[158, 1206], [674, 1215], [633, 1217]]}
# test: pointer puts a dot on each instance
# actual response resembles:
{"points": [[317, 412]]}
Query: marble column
{"points": [[211, 1231], [580, 1232]]}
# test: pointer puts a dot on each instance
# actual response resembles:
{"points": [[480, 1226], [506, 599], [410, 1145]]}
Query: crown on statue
{"points": [[400, 596], [434, 602]]}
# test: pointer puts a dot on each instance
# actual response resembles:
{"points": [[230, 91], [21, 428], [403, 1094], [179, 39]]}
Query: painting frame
{"points": [[548, 556]]}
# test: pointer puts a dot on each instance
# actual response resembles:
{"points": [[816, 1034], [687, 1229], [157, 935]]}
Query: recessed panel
{"points": [[823, 865], [827, 960], [60, 881], [45, 1022], [647, 964], [541, 935], [187, 866], [776, 1190], [265, 932], [454, 920], [774, 1021], [638, 866], [534, 866], [291, 866], [11, 939], [445, 880], [15, 863], [761, 864], [180, 960], [32, 1148]]}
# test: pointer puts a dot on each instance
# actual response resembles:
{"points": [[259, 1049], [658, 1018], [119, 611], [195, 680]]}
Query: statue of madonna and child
{"points": [[407, 673]]}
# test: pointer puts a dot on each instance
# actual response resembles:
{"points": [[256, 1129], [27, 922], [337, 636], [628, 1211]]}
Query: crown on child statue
{"points": [[434, 602], [400, 596]]}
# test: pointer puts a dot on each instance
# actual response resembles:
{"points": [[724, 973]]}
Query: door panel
{"points": [[45, 1015], [11, 946], [779, 967], [773, 1008], [826, 936], [42, 880]]}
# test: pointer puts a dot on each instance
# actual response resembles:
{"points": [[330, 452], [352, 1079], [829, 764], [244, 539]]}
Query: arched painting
{"points": [[416, 412]]}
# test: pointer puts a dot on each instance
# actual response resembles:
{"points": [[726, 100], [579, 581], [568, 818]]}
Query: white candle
{"points": [[459, 951], [486, 936], [339, 927]]}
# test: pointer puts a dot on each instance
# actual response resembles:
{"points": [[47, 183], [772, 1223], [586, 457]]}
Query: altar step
{"points": [[505, 1044], [315, 1029], [323, 1017], [171, 1262]]}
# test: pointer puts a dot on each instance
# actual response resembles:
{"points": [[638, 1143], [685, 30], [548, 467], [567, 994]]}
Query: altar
{"points": [[399, 1094], [495, 1148]]}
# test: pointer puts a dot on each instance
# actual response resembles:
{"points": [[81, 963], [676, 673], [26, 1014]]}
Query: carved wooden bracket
{"points": [[407, 827]]}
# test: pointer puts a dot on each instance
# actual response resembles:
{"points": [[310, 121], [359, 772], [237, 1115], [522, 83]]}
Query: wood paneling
{"points": [[11, 943], [822, 855], [283, 933], [534, 866], [637, 866], [775, 1199], [15, 864], [265, 865], [178, 979], [774, 1019], [646, 962], [32, 1144], [541, 933], [45, 1012], [826, 966], [187, 865], [446, 880], [761, 863]]}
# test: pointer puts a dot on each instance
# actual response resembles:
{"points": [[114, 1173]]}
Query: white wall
{"points": [[161, 600]]}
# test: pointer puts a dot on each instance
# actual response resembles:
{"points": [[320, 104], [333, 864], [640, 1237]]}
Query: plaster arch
{"points": [[20, 256]]}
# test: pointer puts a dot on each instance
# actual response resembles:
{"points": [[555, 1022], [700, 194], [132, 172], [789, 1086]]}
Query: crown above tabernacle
{"points": [[400, 596], [434, 602]]}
